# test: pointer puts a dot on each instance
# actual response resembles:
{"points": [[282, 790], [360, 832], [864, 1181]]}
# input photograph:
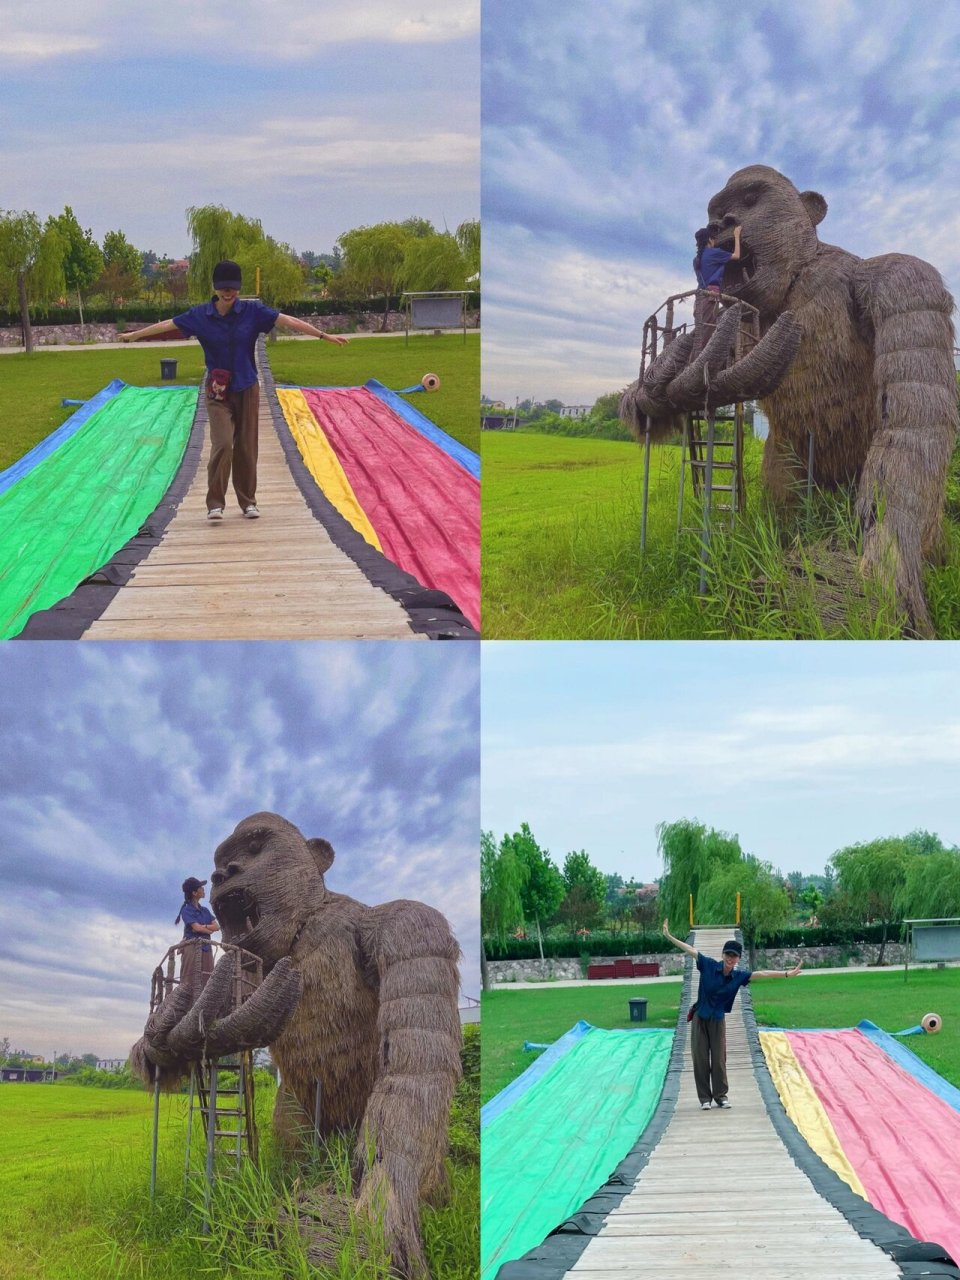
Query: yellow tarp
{"points": [[322, 462], [804, 1108]]}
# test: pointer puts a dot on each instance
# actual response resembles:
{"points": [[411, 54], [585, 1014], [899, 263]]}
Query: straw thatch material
{"points": [[871, 373], [361, 999]]}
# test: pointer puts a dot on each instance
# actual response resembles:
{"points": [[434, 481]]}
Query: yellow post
{"points": [[258, 282], [691, 911], [738, 907]]}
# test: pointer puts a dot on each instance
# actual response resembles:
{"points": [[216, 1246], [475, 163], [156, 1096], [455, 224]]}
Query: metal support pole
{"points": [[646, 486], [156, 1130], [186, 1160], [684, 450], [707, 502], [316, 1116], [211, 1140], [809, 465]]}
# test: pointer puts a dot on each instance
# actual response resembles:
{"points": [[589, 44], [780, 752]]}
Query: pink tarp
{"points": [[423, 505], [901, 1139]]}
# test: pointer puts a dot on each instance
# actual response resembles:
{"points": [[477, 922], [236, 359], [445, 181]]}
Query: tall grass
{"points": [[562, 559], [93, 1220]]}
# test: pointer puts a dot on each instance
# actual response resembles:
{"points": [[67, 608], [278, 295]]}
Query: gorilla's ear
{"points": [[815, 206], [322, 851]]}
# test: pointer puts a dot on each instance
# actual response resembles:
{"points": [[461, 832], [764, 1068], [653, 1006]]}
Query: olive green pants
{"points": [[708, 1043], [233, 446]]}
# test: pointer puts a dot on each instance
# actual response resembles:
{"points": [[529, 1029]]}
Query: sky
{"points": [[125, 765], [798, 748], [314, 118], [606, 130]]}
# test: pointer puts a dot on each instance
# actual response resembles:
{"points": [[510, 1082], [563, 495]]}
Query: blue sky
{"points": [[314, 118], [798, 748], [607, 128], [125, 765]]}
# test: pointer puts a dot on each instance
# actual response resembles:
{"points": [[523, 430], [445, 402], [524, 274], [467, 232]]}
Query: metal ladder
{"points": [[698, 454], [229, 1119]]}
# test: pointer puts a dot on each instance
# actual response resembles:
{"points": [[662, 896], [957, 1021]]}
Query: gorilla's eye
{"points": [[750, 199], [255, 846], [216, 878]]}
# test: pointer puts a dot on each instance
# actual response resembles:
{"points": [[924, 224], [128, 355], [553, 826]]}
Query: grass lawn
{"points": [[561, 554], [828, 1000], [511, 1017], [74, 1194], [31, 387]]}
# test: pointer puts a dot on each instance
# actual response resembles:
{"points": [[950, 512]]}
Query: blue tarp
{"points": [[910, 1062], [469, 460]]}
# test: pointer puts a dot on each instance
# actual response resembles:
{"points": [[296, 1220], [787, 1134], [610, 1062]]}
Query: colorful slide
{"points": [[880, 1118], [557, 1132], [74, 501], [412, 491]]}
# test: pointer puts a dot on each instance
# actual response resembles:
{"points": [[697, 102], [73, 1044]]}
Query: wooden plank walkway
{"points": [[276, 578], [721, 1195]]}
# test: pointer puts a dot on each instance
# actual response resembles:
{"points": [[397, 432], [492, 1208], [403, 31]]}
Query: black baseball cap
{"points": [[226, 275], [732, 947], [191, 885]]}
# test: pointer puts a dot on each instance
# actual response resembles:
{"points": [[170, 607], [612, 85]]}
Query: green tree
{"points": [[281, 279], [468, 238], [612, 891], [374, 256], [579, 872], [691, 854], [431, 263], [501, 883], [31, 266], [764, 906], [543, 887], [579, 909], [217, 234], [82, 259], [873, 877], [419, 228], [931, 888], [120, 278], [812, 899]]}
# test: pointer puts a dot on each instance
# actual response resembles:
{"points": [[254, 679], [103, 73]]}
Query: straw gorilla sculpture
{"points": [[363, 999], [858, 350]]}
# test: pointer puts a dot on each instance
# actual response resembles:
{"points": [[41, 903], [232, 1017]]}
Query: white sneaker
{"points": [[215, 513], [723, 1102], [252, 512], [704, 1106]]}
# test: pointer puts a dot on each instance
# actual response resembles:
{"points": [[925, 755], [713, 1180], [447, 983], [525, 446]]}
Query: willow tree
{"points": [[691, 854], [31, 266], [374, 258], [217, 234], [873, 877], [433, 262], [764, 901], [501, 883], [468, 238], [931, 886]]}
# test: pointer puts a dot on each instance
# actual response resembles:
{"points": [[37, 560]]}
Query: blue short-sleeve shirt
{"points": [[717, 992], [191, 914], [229, 341], [712, 263]]}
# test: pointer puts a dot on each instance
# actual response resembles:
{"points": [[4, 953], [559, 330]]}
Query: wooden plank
{"points": [[279, 577]]}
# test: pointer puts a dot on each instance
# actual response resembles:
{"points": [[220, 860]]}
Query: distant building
{"points": [[575, 410], [26, 1075]]}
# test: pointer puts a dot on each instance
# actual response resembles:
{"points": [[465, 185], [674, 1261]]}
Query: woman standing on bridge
{"points": [[227, 327], [720, 980]]}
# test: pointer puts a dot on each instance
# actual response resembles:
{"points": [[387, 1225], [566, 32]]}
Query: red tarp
{"points": [[901, 1139], [423, 505]]}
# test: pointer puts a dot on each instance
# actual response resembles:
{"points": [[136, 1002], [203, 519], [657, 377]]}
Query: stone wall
{"points": [[672, 962], [61, 335]]}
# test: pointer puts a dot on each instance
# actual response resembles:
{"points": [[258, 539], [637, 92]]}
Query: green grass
{"points": [[828, 1000], [511, 1017], [561, 554], [31, 387], [453, 407], [74, 1195]]}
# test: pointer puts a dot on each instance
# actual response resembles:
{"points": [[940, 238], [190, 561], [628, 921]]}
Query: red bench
{"points": [[624, 968]]}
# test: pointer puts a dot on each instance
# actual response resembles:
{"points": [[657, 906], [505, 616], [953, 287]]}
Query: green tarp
{"points": [[560, 1141], [67, 517]]}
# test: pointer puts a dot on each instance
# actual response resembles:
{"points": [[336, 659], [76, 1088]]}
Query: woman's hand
{"points": [[666, 928], [792, 973], [337, 338]]}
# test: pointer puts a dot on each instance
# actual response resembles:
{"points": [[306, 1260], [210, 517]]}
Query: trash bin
{"points": [[168, 370], [638, 1009]]}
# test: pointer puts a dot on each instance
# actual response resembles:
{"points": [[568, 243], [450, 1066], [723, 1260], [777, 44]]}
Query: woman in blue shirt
{"points": [[720, 980], [227, 327], [709, 266], [198, 924]]}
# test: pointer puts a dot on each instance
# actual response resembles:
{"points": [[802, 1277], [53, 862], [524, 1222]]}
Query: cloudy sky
{"points": [[124, 767], [315, 118], [799, 748], [607, 128]]}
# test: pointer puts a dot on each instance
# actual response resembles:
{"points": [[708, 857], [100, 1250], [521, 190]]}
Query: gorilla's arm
{"points": [[178, 1033], [403, 1137], [903, 302], [676, 381]]}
